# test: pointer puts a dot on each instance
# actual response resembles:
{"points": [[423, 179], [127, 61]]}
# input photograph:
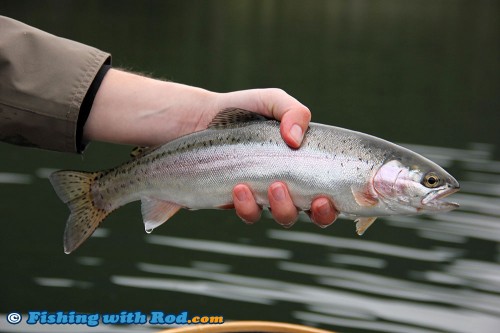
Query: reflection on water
{"points": [[14, 178], [437, 273], [220, 247], [364, 246], [64, 283]]}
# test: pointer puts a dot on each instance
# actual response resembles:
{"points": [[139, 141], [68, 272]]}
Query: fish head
{"points": [[414, 186]]}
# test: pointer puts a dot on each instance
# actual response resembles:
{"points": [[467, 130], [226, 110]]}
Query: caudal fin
{"points": [[73, 188]]}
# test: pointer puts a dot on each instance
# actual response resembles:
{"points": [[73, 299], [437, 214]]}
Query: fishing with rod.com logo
{"points": [[120, 318]]}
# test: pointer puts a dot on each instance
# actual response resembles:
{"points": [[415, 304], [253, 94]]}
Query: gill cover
{"points": [[406, 189]]}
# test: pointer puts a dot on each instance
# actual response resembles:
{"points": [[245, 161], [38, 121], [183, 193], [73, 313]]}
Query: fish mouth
{"points": [[434, 200]]}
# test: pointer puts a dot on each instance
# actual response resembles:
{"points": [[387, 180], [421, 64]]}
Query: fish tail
{"points": [[74, 189]]}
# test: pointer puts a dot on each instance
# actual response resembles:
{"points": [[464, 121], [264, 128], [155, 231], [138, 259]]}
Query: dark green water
{"points": [[422, 73]]}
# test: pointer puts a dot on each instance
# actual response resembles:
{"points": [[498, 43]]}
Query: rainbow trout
{"points": [[364, 176]]}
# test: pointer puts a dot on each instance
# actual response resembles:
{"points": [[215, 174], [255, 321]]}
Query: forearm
{"points": [[132, 109]]}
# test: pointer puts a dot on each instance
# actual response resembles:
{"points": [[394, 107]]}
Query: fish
{"points": [[364, 176]]}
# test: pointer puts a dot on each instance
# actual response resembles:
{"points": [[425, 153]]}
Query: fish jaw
{"points": [[433, 201]]}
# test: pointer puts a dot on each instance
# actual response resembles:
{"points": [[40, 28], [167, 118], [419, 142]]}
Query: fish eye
{"points": [[431, 180]]}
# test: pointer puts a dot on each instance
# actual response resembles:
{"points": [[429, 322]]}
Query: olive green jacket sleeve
{"points": [[43, 81]]}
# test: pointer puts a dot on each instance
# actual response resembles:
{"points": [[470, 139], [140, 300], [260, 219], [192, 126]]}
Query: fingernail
{"points": [[278, 192], [296, 133], [323, 209], [241, 195]]}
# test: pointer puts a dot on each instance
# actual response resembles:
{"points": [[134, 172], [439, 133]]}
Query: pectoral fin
{"points": [[363, 223], [364, 197], [155, 212]]}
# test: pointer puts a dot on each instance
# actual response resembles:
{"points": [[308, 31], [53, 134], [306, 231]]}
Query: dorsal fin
{"points": [[234, 117], [140, 151]]}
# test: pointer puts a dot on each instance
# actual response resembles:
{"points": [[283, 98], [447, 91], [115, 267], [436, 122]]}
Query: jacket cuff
{"points": [[86, 106]]}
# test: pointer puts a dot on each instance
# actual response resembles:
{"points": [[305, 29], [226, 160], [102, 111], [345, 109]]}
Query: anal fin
{"points": [[155, 212], [363, 223]]}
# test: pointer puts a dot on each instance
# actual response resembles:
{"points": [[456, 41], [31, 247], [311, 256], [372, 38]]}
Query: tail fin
{"points": [[74, 189]]}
